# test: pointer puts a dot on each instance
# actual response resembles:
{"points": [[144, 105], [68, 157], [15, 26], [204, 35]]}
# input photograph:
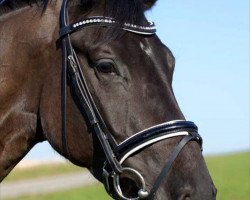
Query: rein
{"points": [[115, 153]]}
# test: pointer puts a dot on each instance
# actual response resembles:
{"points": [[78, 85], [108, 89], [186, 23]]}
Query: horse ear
{"points": [[148, 4]]}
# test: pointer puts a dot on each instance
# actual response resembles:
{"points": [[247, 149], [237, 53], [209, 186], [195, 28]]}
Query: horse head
{"points": [[113, 100]]}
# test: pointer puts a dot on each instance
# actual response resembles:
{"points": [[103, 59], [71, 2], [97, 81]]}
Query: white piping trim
{"points": [[158, 125], [151, 142], [139, 32]]}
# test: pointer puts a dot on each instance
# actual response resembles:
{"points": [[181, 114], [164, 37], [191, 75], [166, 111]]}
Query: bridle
{"points": [[115, 153]]}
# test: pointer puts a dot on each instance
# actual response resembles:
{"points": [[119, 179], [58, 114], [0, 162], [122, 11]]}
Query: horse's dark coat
{"points": [[138, 96]]}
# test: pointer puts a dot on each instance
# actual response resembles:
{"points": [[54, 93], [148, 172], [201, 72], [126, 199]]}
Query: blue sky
{"points": [[210, 41]]}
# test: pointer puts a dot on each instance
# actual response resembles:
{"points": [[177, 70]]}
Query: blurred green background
{"points": [[230, 173]]}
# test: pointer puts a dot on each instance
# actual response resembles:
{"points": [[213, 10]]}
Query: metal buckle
{"points": [[72, 62]]}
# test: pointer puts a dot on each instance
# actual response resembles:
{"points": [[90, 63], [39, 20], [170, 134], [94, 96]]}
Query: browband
{"points": [[107, 21]]}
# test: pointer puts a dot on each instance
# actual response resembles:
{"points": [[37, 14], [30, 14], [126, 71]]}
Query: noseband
{"points": [[115, 153]]}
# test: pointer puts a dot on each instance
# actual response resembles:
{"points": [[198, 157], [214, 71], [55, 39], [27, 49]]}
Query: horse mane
{"points": [[122, 10], [7, 6]]}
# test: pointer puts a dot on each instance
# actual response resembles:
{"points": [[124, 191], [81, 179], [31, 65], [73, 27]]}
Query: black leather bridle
{"points": [[115, 153]]}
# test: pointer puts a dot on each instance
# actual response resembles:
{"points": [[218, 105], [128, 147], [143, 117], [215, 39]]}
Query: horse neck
{"points": [[26, 34]]}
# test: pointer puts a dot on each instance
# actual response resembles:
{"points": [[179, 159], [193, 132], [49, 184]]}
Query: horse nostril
{"points": [[186, 193]]}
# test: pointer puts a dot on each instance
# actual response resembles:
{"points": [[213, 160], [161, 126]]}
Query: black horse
{"points": [[106, 108]]}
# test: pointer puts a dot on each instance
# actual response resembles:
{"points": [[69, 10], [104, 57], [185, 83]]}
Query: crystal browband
{"points": [[108, 21]]}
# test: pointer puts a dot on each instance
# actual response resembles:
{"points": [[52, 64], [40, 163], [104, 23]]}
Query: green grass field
{"points": [[231, 175], [95, 192], [41, 171]]}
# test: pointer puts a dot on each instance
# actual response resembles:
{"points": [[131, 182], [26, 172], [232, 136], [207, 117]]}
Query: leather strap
{"points": [[63, 16], [81, 90], [106, 22], [154, 132], [166, 169], [64, 101]]}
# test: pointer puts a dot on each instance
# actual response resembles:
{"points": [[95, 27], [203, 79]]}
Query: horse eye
{"points": [[106, 67]]}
